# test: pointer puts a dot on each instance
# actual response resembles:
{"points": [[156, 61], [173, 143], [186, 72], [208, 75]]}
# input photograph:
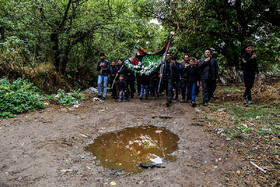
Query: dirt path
{"points": [[46, 148]]}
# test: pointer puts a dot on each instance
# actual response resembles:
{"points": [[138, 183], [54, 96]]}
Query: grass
{"points": [[232, 89], [255, 128]]}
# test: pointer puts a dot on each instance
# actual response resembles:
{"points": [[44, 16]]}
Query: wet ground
{"points": [[134, 149], [47, 148]]}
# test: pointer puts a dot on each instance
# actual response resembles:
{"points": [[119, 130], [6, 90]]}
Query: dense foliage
{"points": [[71, 34], [224, 26], [18, 97], [66, 37], [21, 96]]}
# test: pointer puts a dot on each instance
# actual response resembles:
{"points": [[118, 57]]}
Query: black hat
{"points": [[248, 45], [102, 54]]}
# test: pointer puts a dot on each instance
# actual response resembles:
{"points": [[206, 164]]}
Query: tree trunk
{"points": [[55, 49]]}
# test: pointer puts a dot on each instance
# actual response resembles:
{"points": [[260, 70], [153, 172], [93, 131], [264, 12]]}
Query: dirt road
{"points": [[46, 148]]}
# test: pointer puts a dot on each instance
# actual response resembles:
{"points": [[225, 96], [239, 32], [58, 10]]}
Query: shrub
{"points": [[18, 97], [67, 99]]}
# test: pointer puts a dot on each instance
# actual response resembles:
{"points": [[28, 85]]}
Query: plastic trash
{"points": [[151, 166]]}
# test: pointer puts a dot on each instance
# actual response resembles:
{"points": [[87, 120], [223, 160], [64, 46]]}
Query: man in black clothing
{"points": [[209, 76], [249, 67], [113, 72], [130, 83], [186, 59], [183, 81], [103, 69], [154, 80], [176, 77], [167, 76]]}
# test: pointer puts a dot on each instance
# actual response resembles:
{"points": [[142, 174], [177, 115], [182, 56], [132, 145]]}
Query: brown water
{"points": [[128, 148]]}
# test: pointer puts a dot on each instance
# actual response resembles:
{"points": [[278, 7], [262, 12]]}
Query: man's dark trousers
{"points": [[208, 87]]}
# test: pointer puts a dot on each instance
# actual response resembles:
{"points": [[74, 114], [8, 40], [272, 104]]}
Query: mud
{"points": [[135, 148], [47, 148]]}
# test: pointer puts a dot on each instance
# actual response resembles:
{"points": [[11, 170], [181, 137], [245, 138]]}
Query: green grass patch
{"points": [[254, 112], [231, 89], [210, 119], [243, 129], [234, 134]]}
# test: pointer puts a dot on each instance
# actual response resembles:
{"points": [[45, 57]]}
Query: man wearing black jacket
{"points": [[183, 80], [103, 69], [249, 67], [209, 76], [130, 82], [167, 76], [113, 72]]}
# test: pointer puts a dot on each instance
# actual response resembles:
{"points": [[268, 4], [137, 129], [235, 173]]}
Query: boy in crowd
{"points": [[122, 87], [122, 70], [192, 80]]}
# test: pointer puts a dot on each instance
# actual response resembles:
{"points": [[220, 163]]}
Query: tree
{"points": [[224, 26]]}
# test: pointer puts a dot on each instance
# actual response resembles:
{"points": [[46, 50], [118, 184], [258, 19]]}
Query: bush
{"points": [[18, 97], [69, 98]]}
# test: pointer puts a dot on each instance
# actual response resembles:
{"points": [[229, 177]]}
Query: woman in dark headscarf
{"points": [[250, 68]]}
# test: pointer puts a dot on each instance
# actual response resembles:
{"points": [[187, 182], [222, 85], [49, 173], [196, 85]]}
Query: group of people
{"points": [[175, 78]]}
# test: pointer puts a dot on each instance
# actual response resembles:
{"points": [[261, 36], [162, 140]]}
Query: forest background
{"points": [[56, 44]]}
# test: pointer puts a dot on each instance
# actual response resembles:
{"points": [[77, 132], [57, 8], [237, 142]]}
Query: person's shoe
{"points": [[120, 100], [192, 103], [99, 96], [205, 104], [141, 98], [183, 101], [250, 102], [103, 98], [245, 99], [167, 104]]}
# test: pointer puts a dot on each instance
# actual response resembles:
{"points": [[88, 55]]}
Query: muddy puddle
{"points": [[134, 148]]}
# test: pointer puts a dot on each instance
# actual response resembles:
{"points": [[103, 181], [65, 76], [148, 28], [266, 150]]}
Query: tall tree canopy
{"points": [[224, 26], [73, 32], [70, 34]]}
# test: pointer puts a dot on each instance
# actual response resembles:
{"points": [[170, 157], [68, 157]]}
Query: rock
{"points": [[92, 90], [97, 99]]}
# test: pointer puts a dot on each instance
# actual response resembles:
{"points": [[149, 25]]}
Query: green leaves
{"points": [[18, 97], [68, 99]]}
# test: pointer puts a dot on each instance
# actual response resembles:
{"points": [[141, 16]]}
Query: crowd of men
{"points": [[175, 78]]}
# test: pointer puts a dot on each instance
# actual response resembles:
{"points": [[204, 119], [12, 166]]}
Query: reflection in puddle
{"points": [[130, 147]]}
